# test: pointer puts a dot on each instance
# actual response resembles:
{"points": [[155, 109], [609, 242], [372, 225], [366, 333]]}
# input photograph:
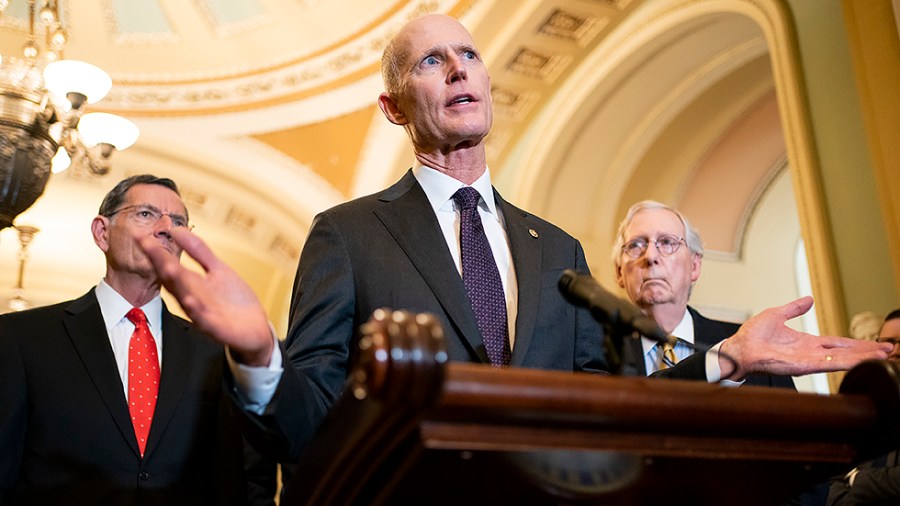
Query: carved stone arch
{"points": [[587, 198]]}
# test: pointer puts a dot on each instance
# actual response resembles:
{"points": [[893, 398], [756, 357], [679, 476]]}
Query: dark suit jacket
{"points": [[387, 250], [65, 432], [707, 333], [876, 483]]}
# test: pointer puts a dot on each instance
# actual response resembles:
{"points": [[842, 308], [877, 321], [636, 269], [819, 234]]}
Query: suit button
{"points": [[144, 475]]}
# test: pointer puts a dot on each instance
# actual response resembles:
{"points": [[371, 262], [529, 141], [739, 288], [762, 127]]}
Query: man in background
{"points": [[876, 481], [890, 333], [109, 398], [657, 257]]}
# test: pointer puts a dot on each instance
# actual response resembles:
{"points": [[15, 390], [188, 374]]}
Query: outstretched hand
{"points": [[219, 302], [764, 344]]}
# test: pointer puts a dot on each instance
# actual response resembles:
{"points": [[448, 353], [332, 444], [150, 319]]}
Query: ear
{"points": [[391, 110], [100, 231], [696, 263], [620, 279]]}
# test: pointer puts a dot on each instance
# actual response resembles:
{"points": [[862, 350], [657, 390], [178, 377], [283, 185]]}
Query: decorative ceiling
{"points": [[264, 112]]}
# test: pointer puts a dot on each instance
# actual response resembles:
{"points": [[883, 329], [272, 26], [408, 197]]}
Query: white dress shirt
{"points": [[684, 331], [439, 188], [114, 307]]}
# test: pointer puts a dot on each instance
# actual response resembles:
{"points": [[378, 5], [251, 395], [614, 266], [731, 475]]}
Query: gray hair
{"points": [[691, 236], [391, 59]]}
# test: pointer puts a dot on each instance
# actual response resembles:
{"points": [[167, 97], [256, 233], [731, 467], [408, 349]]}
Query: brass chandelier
{"points": [[43, 123]]}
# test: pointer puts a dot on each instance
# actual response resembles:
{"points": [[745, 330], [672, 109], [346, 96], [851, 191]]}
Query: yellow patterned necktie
{"points": [[667, 358]]}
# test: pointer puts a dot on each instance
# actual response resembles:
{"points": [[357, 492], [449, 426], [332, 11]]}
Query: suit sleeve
{"points": [[12, 409], [316, 348], [691, 368], [873, 484]]}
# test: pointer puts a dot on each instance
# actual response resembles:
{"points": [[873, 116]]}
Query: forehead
{"points": [[653, 223], [430, 32], [891, 328], [154, 195]]}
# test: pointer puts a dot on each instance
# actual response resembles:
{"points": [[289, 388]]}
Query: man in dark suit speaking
{"points": [[441, 240], [109, 398]]}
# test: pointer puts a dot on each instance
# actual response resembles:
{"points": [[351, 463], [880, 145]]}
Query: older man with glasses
{"points": [[658, 273]]}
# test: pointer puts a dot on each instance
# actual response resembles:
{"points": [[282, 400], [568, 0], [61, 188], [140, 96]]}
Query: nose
{"points": [[456, 70], [164, 226], [651, 254]]}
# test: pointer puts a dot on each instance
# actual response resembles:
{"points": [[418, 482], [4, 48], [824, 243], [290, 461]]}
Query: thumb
{"points": [[795, 308]]}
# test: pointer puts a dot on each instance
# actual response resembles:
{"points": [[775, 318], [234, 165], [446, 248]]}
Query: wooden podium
{"points": [[414, 429]]}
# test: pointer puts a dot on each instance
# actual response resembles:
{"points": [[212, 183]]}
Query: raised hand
{"points": [[219, 302], [765, 344]]}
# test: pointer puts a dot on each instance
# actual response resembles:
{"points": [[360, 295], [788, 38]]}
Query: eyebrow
{"points": [[439, 48]]}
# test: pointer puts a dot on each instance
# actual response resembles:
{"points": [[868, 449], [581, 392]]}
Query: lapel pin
{"points": [[533, 232]]}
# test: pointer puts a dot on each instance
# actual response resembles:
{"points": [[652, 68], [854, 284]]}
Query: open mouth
{"points": [[461, 100]]}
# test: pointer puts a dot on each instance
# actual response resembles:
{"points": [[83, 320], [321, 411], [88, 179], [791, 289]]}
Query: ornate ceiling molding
{"points": [[354, 57]]}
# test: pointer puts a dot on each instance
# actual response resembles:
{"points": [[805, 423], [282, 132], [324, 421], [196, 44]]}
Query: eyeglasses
{"points": [[146, 215], [889, 339], [666, 245]]}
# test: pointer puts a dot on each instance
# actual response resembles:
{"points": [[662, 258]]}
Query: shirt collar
{"points": [[114, 307], [685, 328], [683, 331], [439, 187]]}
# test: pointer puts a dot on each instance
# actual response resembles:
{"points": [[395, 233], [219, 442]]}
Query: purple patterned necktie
{"points": [[482, 279]]}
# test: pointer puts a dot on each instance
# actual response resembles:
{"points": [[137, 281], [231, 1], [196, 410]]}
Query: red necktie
{"points": [[143, 376]]}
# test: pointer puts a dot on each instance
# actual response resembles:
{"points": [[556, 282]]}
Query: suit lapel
{"points": [[174, 375], [633, 355], [84, 323], [526, 251], [419, 235], [703, 335]]}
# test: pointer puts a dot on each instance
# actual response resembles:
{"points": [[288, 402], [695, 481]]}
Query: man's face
{"points": [[890, 333], [119, 234], [652, 278], [445, 92]]}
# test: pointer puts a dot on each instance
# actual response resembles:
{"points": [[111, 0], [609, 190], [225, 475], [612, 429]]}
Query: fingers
{"points": [[862, 346], [196, 248], [168, 267], [827, 353], [162, 260], [842, 359]]}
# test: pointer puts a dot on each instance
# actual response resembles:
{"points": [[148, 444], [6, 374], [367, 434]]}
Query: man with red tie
{"points": [[109, 398]]}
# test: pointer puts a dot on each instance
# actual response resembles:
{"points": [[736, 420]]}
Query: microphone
{"points": [[584, 291]]}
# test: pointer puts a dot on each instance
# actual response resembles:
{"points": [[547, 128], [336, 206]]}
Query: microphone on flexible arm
{"points": [[619, 316]]}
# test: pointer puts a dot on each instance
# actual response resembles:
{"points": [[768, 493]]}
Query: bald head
{"points": [[394, 60]]}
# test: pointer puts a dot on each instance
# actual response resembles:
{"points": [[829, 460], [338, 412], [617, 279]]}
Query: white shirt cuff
{"points": [[255, 386], [714, 372]]}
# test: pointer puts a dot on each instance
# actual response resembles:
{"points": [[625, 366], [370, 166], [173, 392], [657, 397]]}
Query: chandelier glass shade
{"points": [[43, 122]]}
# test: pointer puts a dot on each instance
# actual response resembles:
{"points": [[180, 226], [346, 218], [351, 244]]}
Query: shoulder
{"points": [[711, 330], [38, 315], [366, 203], [533, 224]]}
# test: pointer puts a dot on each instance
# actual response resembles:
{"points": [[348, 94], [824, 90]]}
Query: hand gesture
{"points": [[764, 344], [218, 301]]}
